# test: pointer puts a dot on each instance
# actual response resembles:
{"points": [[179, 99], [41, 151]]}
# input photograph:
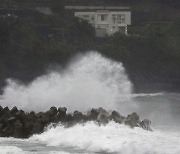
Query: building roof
{"points": [[82, 8]]}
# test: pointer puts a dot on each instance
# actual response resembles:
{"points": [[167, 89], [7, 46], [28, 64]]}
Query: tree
{"points": [[57, 7]]}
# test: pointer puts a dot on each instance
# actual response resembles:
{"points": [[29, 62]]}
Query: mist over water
{"points": [[90, 80]]}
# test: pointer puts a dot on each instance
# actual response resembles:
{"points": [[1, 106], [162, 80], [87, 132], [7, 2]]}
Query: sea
{"points": [[91, 80]]}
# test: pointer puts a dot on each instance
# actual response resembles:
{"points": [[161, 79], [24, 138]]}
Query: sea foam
{"points": [[5, 149], [112, 138]]}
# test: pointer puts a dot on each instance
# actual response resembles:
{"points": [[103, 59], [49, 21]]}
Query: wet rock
{"points": [[78, 116], [93, 115], [32, 113], [5, 111], [69, 118], [117, 117], [20, 115], [46, 119], [62, 110], [103, 111], [3, 121], [14, 110], [132, 120], [1, 108], [37, 128], [12, 120], [17, 123], [146, 124], [18, 130], [8, 131], [102, 118], [61, 115], [52, 111], [1, 126]]}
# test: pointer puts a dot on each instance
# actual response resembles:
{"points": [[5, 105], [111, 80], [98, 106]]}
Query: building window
{"points": [[103, 17], [114, 19], [121, 18]]}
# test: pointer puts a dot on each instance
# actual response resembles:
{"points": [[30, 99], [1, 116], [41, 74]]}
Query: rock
{"points": [[46, 119], [28, 129], [5, 111], [78, 116], [18, 130], [100, 115], [69, 118], [32, 113], [52, 111], [14, 110], [103, 116], [1, 108], [37, 128], [20, 115], [8, 131], [17, 123], [3, 120], [93, 115], [132, 120], [117, 117], [102, 119], [12, 120], [146, 124], [61, 116], [62, 111], [31, 117], [103, 111], [1, 127]]}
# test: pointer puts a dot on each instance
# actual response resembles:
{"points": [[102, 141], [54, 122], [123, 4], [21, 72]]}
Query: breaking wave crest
{"points": [[90, 80]]}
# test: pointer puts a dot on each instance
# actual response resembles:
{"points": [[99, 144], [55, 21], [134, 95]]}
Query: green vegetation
{"points": [[31, 44]]}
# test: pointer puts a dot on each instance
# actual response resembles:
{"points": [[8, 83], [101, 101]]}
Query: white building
{"points": [[107, 21]]}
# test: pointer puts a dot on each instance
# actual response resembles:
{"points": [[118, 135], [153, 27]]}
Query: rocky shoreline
{"points": [[20, 124]]}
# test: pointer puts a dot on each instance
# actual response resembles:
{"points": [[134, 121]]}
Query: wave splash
{"points": [[112, 138], [89, 81]]}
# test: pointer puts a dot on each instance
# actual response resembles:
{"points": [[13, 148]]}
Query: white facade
{"points": [[107, 22]]}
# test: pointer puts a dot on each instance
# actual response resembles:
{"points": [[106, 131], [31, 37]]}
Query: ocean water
{"points": [[92, 80]]}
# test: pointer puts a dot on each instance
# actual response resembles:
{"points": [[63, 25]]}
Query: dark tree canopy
{"points": [[57, 7]]}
